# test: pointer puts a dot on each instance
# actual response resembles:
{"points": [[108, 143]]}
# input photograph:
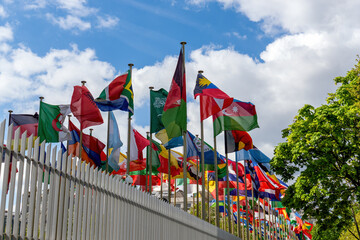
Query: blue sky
{"points": [[279, 55]]}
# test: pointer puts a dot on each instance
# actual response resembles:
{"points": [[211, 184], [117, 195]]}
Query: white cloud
{"points": [[70, 22], [3, 13], [6, 33], [76, 7], [37, 4], [107, 22]]}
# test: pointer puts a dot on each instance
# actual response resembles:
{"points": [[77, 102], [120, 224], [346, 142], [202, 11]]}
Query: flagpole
{"points": [[10, 111], [246, 203], [107, 144], [175, 193], [237, 200], [161, 186], [227, 183], [147, 161], [197, 183], [67, 142], [202, 161], [217, 220], [184, 141], [129, 129], [208, 201], [253, 208], [265, 236], [258, 206], [169, 176], [81, 133]]}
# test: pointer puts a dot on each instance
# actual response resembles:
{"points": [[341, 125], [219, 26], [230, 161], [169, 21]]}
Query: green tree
{"points": [[322, 148]]}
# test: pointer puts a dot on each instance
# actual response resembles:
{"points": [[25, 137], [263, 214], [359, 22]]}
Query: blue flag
{"points": [[114, 143]]}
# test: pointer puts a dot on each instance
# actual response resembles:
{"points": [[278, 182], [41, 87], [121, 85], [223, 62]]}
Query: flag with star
{"points": [[238, 116]]}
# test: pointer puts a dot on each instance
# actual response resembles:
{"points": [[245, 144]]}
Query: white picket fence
{"points": [[53, 196]]}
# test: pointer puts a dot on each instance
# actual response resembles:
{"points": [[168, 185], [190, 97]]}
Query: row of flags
{"points": [[169, 124]]}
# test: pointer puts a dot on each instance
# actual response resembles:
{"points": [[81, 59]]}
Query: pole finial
{"points": [[130, 64], [10, 111], [200, 71], [41, 99], [151, 87], [183, 43], [83, 83]]}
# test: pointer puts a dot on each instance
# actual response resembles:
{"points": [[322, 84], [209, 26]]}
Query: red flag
{"points": [[84, 108], [212, 99]]}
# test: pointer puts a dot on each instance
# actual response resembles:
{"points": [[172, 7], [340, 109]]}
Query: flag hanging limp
{"points": [[84, 108]]}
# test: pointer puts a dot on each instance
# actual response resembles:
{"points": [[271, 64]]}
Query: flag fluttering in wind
{"points": [[114, 143], [157, 103], [26, 122], [84, 108], [138, 143], [174, 116], [237, 140], [92, 148], [212, 99], [51, 119], [117, 95], [238, 116]]}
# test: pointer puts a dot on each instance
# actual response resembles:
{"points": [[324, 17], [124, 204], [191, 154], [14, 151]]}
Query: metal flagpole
{"points": [[246, 203], [253, 208], [169, 176], [161, 186], [129, 132], [217, 220], [197, 184], [149, 158], [175, 193], [237, 199], [147, 165], [184, 147], [258, 206], [227, 183], [265, 236], [81, 133], [67, 142], [107, 144], [202, 163]]}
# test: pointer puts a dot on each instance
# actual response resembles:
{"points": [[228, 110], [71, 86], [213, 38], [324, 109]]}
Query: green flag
{"points": [[157, 102], [51, 120], [155, 162]]}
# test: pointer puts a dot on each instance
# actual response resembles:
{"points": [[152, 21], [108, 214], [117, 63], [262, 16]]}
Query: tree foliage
{"points": [[322, 148]]}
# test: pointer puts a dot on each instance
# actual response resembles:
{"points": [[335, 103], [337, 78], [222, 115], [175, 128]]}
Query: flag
{"points": [[139, 178], [117, 95], [137, 143], [237, 140], [92, 148], [84, 108], [114, 143], [212, 99], [174, 115], [194, 145], [157, 102], [26, 122], [169, 143], [51, 119], [238, 116]]}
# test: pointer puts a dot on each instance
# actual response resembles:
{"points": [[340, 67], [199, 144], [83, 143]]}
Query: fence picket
{"points": [[44, 209], [19, 185]]}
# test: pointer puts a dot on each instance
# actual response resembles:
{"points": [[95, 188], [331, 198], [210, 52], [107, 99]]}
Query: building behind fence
{"points": [[46, 194]]}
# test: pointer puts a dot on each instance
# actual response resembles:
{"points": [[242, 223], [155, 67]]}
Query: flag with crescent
{"points": [[51, 119]]}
